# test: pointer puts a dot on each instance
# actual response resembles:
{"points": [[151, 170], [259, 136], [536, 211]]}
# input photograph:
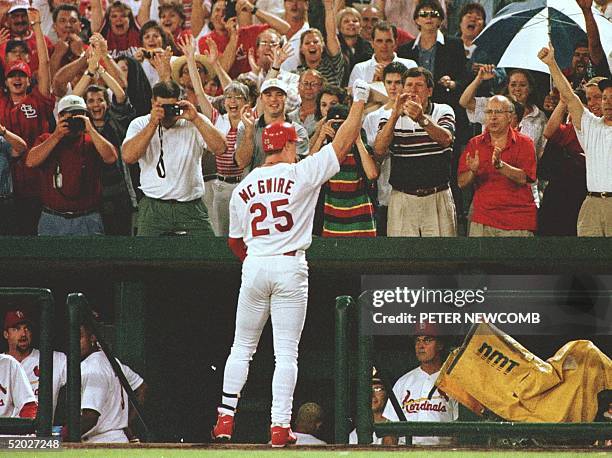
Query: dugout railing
{"points": [[79, 312], [41, 425], [347, 312]]}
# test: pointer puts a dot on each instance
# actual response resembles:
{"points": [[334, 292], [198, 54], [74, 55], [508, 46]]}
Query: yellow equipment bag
{"points": [[492, 370]]}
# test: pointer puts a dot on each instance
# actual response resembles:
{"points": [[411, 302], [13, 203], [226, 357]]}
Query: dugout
{"points": [[171, 302]]}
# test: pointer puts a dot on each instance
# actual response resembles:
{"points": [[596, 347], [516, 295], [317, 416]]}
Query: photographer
{"points": [[70, 160], [168, 145]]}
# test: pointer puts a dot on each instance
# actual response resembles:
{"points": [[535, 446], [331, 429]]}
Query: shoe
{"points": [[224, 428], [281, 436]]}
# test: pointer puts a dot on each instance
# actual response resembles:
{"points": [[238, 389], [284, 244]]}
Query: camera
{"points": [[75, 124], [171, 110], [147, 54], [230, 9]]}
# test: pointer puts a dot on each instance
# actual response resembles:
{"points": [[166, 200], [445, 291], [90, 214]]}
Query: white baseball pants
{"points": [[274, 286]]}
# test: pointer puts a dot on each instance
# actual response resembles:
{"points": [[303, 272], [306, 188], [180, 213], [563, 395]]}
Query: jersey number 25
{"points": [[260, 211]]}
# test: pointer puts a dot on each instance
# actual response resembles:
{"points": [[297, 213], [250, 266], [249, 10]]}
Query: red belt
{"points": [[290, 253]]}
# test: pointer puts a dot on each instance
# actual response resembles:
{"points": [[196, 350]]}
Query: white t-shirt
{"points": [[293, 61], [596, 141], [183, 149], [370, 125], [101, 391], [365, 70], [31, 365], [273, 207], [15, 389], [412, 391], [307, 439], [353, 439]]}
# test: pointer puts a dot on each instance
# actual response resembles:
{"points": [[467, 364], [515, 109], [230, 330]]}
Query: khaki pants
{"points": [[480, 230], [595, 217], [157, 217], [429, 216]]}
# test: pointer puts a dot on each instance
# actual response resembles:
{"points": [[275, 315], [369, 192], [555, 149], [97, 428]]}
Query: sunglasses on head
{"points": [[429, 14]]}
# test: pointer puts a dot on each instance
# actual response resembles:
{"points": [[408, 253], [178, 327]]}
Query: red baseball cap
{"points": [[18, 66], [15, 317], [426, 329], [276, 135]]}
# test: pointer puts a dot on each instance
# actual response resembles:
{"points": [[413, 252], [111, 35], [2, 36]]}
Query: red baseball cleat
{"points": [[282, 436], [224, 428]]}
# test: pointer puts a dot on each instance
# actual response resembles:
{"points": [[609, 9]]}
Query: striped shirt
{"points": [[348, 210], [417, 161], [225, 162], [333, 68]]}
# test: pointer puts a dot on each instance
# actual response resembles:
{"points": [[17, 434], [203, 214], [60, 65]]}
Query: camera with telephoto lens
{"points": [[75, 124], [172, 109]]}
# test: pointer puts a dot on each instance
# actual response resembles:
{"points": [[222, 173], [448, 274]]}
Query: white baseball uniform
{"points": [[15, 389], [272, 211], [411, 390], [31, 364], [101, 391]]}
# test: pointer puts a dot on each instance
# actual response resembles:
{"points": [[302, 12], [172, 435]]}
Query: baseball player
{"points": [[18, 335], [271, 213], [412, 389], [104, 403], [16, 395]]}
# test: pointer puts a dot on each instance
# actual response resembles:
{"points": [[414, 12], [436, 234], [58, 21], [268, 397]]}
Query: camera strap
{"points": [[161, 168]]}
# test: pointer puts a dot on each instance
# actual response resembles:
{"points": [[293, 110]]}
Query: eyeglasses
{"points": [[377, 389], [429, 14], [424, 339], [272, 44], [234, 97], [496, 112], [311, 84], [201, 71]]}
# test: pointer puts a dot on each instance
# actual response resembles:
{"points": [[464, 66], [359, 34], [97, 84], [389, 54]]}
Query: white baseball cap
{"points": [[71, 103], [274, 83], [18, 6]]}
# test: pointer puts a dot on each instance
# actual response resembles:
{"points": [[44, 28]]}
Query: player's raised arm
{"points": [[349, 130]]}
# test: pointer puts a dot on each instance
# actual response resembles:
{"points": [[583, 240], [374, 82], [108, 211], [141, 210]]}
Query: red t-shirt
{"points": [[247, 37], [498, 201], [31, 41], [81, 168], [124, 45], [403, 36], [28, 119]]}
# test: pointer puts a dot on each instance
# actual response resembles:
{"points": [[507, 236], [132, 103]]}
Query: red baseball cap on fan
{"points": [[276, 135], [15, 317], [18, 66]]}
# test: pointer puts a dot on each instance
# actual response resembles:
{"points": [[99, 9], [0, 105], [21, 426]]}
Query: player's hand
{"points": [[157, 114], [485, 72], [247, 118], [414, 110], [189, 111], [473, 162], [547, 55], [61, 130], [361, 91]]}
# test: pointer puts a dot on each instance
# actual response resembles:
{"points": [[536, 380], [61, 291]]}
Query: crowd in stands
{"points": [[141, 117]]}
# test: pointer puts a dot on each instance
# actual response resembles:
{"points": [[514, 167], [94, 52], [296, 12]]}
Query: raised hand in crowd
{"points": [[281, 54], [378, 72], [187, 46], [5, 35], [246, 115], [485, 72], [5, 5], [585, 4], [400, 101], [244, 5], [253, 62], [473, 162], [161, 63], [547, 55]]}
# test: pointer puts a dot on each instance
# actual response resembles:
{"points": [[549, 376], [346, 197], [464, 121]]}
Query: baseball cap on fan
{"points": [[276, 135], [18, 66], [14, 317], [426, 329], [18, 6], [273, 83], [71, 103]]}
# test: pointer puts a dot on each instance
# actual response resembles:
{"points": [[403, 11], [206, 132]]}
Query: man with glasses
{"points": [[413, 389], [501, 164], [309, 87], [70, 160], [384, 44]]}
